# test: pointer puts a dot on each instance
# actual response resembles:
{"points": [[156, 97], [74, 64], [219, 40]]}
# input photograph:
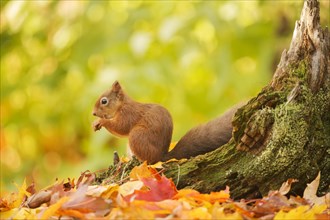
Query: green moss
{"points": [[299, 71], [299, 137], [298, 128], [289, 125], [320, 137]]}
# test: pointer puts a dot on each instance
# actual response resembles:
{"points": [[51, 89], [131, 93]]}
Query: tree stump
{"points": [[282, 133]]}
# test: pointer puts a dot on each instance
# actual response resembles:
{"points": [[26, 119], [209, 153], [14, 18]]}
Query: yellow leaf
{"points": [[111, 192], [19, 213], [74, 214], [142, 171], [158, 165], [8, 214], [135, 210], [296, 213], [129, 187], [115, 213], [54, 208], [318, 209], [102, 191], [197, 213], [301, 212], [218, 213], [21, 194]]}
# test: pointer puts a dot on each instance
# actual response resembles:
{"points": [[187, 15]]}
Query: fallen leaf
{"points": [[301, 212], [7, 202], [74, 214], [158, 165], [271, 204], [111, 192], [197, 213], [19, 213], [105, 191], [242, 209], [220, 212], [129, 187], [168, 204], [96, 190], [31, 189], [183, 193], [213, 197], [79, 201], [298, 201], [51, 210], [22, 194], [286, 186], [58, 191], [323, 216], [159, 189], [69, 185], [143, 171], [135, 210], [311, 190], [116, 213], [88, 176]]}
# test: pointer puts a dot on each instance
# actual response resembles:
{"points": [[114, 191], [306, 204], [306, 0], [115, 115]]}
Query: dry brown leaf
{"points": [[286, 186]]}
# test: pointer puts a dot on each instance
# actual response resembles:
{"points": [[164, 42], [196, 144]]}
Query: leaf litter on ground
{"points": [[147, 194]]}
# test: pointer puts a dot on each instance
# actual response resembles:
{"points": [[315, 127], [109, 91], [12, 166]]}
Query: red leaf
{"points": [[159, 189]]}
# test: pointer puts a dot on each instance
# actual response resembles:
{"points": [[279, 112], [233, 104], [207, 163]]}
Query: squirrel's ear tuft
{"points": [[116, 86]]}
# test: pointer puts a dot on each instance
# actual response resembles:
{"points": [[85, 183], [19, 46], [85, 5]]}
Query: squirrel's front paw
{"points": [[97, 125]]}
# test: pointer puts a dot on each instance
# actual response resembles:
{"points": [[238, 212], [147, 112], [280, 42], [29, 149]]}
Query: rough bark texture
{"points": [[282, 133]]}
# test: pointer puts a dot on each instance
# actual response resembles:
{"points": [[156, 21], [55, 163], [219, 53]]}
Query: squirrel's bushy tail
{"points": [[204, 138]]}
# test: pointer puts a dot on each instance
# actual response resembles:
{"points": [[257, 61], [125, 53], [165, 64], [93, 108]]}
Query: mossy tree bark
{"points": [[282, 133]]}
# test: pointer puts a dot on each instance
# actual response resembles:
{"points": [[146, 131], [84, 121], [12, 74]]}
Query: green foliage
{"points": [[195, 58]]}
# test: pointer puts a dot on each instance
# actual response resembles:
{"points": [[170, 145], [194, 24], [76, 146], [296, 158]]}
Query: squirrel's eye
{"points": [[104, 101]]}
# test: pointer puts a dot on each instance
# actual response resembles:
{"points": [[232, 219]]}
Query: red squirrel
{"points": [[149, 127]]}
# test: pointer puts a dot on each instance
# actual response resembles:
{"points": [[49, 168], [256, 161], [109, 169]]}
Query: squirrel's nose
{"points": [[94, 113]]}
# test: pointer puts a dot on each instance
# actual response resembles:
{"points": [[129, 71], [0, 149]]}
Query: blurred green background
{"points": [[194, 58]]}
